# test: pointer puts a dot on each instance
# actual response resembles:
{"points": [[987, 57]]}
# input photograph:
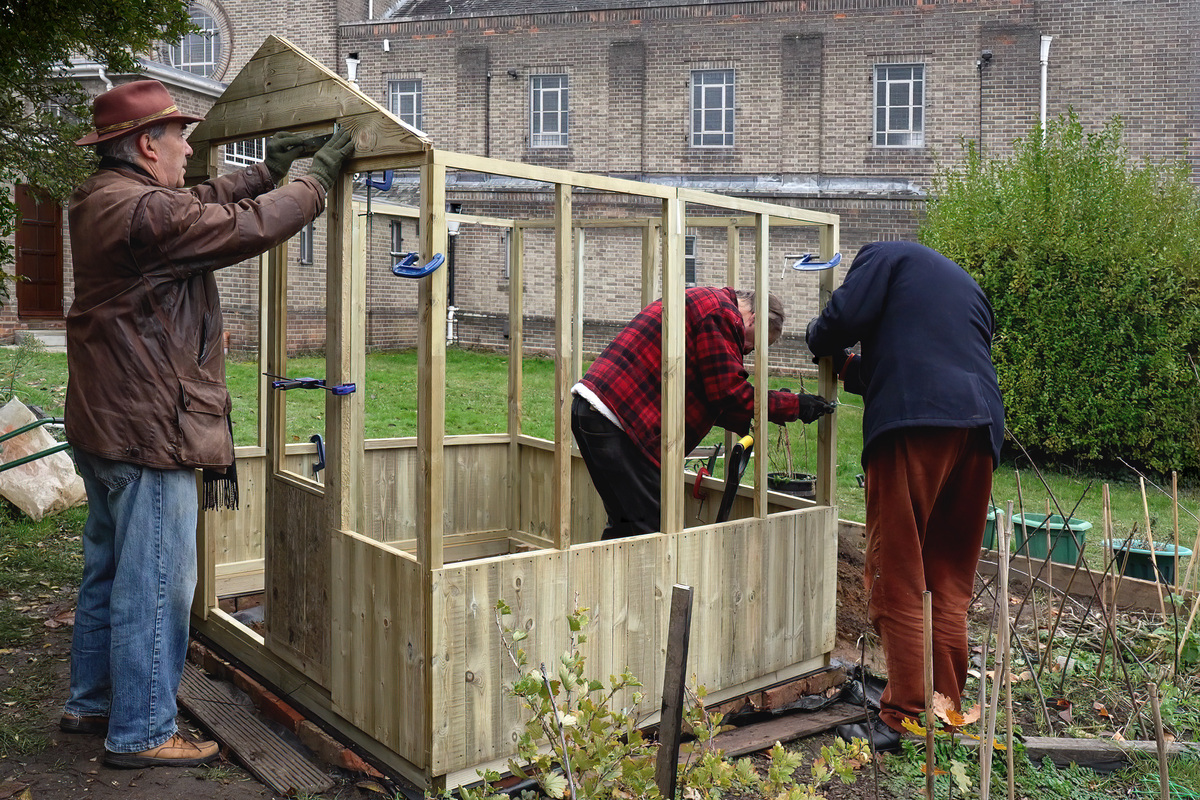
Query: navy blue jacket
{"points": [[926, 332]]}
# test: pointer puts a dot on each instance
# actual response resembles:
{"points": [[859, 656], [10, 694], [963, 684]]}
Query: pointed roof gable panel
{"points": [[283, 89]]}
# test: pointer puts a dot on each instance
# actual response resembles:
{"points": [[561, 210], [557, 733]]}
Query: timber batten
{"points": [[382, 574]]}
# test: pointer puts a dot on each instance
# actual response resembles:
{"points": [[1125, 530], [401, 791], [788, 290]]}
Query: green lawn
{"points": [[476, 393]]}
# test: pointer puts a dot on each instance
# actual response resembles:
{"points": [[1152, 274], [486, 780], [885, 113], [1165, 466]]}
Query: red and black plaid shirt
{"points": [[628, 374]]}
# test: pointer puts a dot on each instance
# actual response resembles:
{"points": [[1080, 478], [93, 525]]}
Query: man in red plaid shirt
{"points": [[617, 412]]}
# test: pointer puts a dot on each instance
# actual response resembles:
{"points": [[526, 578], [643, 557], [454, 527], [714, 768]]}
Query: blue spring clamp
{"points": [[806, 263], [404, 267], [283, 384]]}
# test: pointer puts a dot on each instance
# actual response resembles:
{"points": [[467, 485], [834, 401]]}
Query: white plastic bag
{"points": [[41, 487]]}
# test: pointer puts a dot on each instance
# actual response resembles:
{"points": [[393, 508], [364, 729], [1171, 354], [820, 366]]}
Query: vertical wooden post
{"points": [[762, 254], [431, 370], [670, 724], [345, 357], [516, 380], [560, 515], [652, 245], [673, 367], [577, 326], [827, 385], [733, 257]]}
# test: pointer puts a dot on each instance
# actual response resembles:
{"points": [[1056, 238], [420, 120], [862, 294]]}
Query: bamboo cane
{"points": [[1007, 677], [1164, 778], [1107, 596], [1162, 606], [1175, 517], [1187, 581], [930, 722]]}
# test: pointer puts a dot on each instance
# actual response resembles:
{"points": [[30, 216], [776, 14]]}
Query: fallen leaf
{"points": [[1066, 715], [371, 786], [972, 715], [1100, 709]]}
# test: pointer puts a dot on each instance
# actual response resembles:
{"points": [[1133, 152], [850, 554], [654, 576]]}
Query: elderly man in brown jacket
{"points": [[146, 398]]}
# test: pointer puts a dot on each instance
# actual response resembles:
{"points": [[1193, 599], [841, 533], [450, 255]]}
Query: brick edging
{"points": [[324, 747]]}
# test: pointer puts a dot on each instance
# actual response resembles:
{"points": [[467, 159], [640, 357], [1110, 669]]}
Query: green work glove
{"points": [[282, 149], [328, 161]]}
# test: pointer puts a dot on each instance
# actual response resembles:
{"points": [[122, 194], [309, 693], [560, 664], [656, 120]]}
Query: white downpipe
{"points": [[1045, 59]]}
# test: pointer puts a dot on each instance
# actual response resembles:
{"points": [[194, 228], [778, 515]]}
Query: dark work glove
{"points": [[809, 331], [813, 407], [327, 163], [282, 149]]}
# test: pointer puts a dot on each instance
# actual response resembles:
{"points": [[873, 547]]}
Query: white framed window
{"points": [[712, 108], [899, 105], [199, 52], [689, 260], [548, 110], [404, 100], [245, 152], [306, 244]]}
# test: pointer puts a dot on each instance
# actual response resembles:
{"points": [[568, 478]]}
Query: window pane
{"points": [[198, 52], [899, 115], [712, 108]]}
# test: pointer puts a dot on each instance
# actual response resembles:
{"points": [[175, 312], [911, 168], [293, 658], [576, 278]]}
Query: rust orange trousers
{"points": [[927, 498]]}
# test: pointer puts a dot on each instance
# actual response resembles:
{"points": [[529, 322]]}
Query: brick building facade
{"points": [[844, 106]]}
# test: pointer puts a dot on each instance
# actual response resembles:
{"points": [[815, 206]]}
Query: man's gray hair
{"points": [[775, 314], [124, 147]]}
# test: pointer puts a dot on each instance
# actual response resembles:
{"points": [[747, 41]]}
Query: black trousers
{"points": [[628, 482]]}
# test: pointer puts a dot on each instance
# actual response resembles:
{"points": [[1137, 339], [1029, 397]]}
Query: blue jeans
{"points": [[131, 621]]}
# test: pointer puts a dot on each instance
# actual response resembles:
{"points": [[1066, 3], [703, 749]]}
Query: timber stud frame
{"points": [[381, 583]]}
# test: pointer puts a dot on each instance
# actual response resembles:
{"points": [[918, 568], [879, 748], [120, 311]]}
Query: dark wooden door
{"points": [[39, 256]]}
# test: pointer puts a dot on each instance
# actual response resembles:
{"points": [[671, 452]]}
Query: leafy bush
{"points": [[577, 743], [1092, 264]]}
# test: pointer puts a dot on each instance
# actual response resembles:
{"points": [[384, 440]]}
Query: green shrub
{"points": [[1092, 264]]}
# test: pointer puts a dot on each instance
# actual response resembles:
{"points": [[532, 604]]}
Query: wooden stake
{"points": [[670, 726], [1162, 606], [1164, 780], [1108, 589], [930, 721]]}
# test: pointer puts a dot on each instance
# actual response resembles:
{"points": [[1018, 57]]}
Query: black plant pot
{"points": [[798, 484]]}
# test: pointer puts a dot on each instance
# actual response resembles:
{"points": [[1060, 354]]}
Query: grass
{"points": [[476, 402]]}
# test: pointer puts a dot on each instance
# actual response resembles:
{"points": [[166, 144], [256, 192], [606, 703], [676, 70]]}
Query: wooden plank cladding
{"points": [[763, 604], [379, 634]]}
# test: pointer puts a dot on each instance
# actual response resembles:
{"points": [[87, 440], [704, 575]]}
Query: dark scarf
{"points": [[109, 162], [221, 485]]}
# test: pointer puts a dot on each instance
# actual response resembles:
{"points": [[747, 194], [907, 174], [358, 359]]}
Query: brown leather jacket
{"points": [[144, 334]]}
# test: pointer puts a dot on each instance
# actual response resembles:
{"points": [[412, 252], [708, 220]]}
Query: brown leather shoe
{"points": [[74, 723], [174, 752]]}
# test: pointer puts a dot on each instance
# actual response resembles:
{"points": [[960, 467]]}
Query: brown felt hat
{"points": [[131, 107]]}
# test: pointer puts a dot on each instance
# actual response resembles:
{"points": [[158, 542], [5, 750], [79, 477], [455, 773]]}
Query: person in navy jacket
{"points": [[933, 421]]}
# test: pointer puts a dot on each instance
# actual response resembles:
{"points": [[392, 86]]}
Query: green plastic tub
{"points": [[1136, 561], [1041, 531]]}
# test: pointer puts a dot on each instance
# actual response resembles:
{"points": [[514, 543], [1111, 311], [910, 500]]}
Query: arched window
{"points": [[199, 53]]}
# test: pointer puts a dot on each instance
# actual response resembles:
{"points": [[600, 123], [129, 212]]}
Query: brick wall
{"points": [[803, 128]]}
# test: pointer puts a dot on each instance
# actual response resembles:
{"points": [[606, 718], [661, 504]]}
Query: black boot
{"points": [[881, 736]]}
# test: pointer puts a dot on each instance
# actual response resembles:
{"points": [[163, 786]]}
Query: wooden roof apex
{"points": [[282, 88]]}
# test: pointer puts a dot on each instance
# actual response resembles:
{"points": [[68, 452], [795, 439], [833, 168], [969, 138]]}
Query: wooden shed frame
{"points": [[381, 583]]}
